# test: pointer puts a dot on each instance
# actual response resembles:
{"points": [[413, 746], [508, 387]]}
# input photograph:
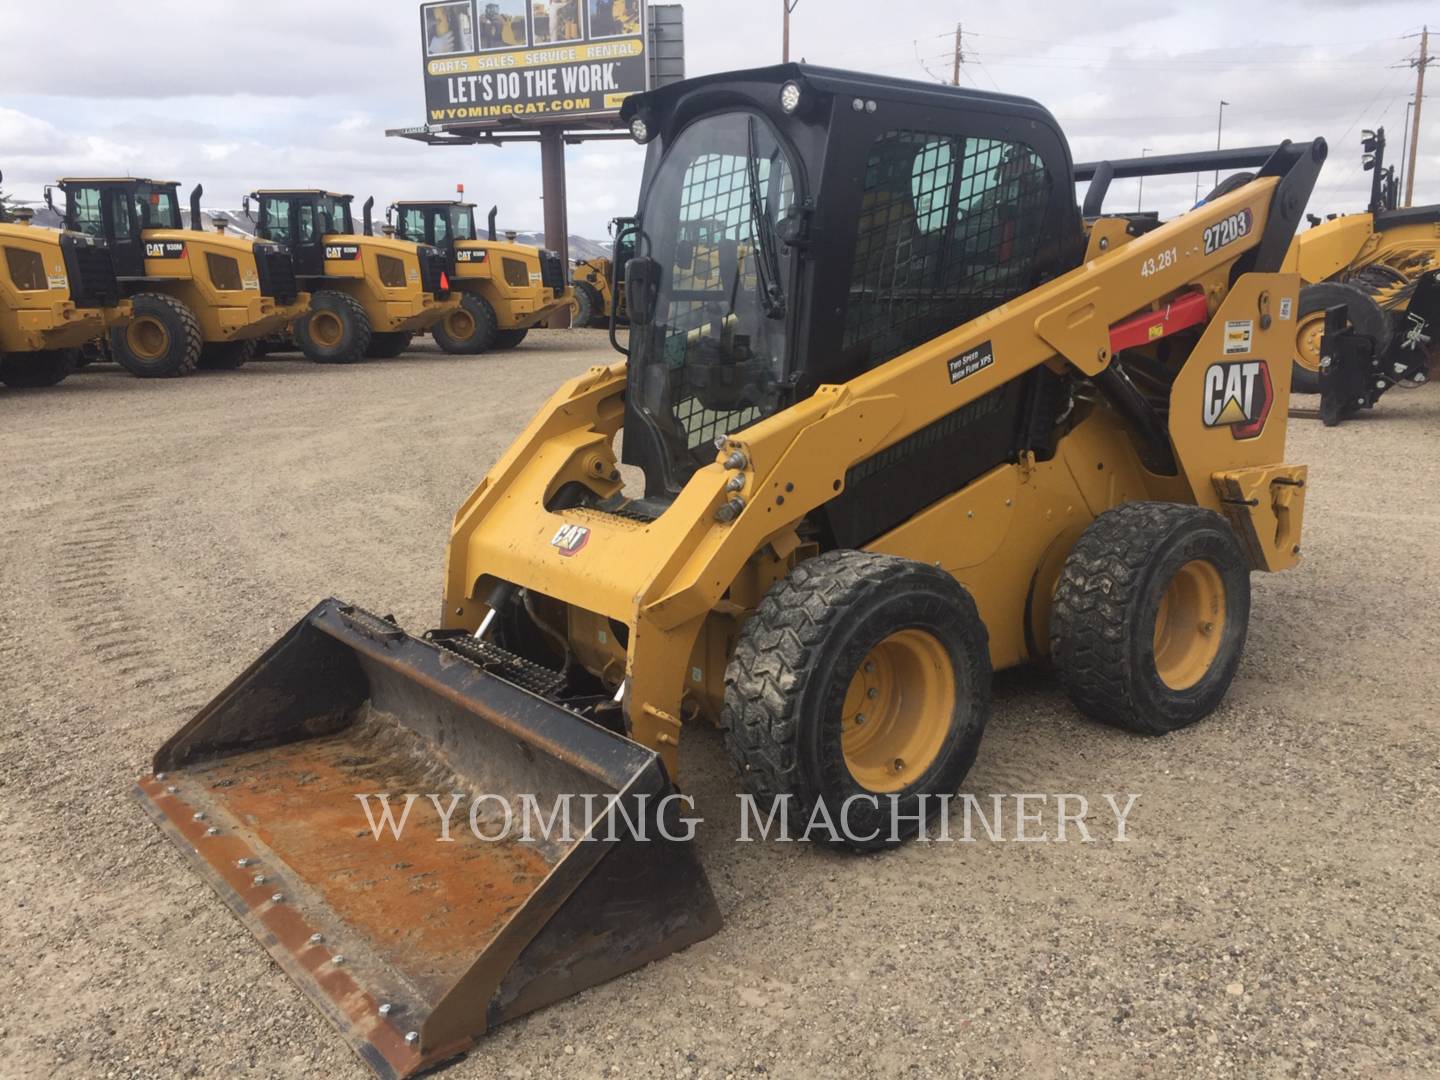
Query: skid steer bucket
{"points": [[415, 944]]}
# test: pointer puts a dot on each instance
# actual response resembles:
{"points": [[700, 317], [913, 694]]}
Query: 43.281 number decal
{"points": [[1228, 231]]}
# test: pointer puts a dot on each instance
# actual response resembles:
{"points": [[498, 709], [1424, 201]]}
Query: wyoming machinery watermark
{"points": [[859, 819]]}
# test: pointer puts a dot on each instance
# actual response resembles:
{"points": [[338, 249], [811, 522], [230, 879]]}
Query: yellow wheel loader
{"points": [[599, 283], [58, 291], [200, 298], [922, 423], [504, 289], [1374, 264], [370, 295]]}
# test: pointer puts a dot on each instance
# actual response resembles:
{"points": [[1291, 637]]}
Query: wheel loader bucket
{"points": [[411, 939]]}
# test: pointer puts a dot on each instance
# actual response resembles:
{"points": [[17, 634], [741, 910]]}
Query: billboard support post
{"points": [[552, 183]]}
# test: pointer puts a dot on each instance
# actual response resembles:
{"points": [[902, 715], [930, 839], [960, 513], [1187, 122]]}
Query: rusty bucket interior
{"points": [[417, 934]]}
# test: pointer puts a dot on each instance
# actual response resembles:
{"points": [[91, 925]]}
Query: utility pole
{"points": [[789, 7], [1419, 66], [1141, 197], [1219, 124], [959, 54]]}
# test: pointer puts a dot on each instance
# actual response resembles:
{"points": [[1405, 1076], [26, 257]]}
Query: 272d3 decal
{"points": [[1238, 395], [1227, 230]]}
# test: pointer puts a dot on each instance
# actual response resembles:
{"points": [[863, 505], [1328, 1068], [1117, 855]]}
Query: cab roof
{"points": [[117, 180], [434, 202], [303, 191]]}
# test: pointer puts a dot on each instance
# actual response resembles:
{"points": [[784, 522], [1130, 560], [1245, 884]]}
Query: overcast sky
{"points": [[300, 92]]}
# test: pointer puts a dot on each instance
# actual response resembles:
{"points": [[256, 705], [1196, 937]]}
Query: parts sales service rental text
{"points": [[496, 62]]}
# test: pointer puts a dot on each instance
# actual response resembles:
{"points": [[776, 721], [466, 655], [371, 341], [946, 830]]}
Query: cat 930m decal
{"points": [[1238, 395]]}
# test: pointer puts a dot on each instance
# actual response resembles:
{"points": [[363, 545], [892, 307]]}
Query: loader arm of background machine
{"points": [[662, 578]]}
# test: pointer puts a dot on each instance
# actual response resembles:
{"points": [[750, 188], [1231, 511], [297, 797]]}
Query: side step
{"points": [[412, 946]]}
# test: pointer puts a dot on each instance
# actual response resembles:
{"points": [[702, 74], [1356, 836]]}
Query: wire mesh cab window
{"points": [[723, 338], [950, 226]]}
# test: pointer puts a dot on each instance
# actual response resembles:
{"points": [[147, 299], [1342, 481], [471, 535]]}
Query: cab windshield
{"points": [[712, 360]]}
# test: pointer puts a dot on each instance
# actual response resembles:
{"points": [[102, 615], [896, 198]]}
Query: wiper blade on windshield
{"points": [[767, 266]]}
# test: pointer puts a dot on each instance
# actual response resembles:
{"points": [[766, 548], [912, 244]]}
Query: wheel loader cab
{"points": [[937, 206], [308, 223], [120, 212], [201, 298], [506, 288]]}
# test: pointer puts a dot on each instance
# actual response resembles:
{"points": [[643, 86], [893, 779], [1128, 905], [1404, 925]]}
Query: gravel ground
{"points": [[1273, 913]]}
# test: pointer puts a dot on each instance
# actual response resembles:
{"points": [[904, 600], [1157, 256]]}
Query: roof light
{"points": [[639, 130], [790, 97]]}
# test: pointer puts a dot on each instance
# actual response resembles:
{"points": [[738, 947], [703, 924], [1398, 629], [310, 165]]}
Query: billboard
{"points": [[494, 62]]}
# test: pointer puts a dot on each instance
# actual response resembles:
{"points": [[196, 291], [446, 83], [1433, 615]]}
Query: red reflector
{"points": [[444, 280], [1186, 310]]}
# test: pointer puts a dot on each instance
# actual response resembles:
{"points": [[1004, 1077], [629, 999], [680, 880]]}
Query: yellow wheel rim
{"points": [[897, 711], [1308, 337], [147, 338], [1189, 625], [460, 324], [326, 328]]}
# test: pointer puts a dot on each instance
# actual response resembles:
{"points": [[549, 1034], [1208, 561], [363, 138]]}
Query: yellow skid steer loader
{"points": [[916, 421]]}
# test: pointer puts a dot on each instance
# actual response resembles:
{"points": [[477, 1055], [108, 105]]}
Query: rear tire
{"points": [[590, 305], [469, 329], [845, 634], [508, 339], [161, 341], [390, 345], [226, 355], [335, 330], [1366, 316], [35, 370], [1150, 616]]}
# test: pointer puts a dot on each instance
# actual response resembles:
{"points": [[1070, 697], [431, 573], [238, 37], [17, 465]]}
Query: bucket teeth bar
{"points": [[415, 941]]}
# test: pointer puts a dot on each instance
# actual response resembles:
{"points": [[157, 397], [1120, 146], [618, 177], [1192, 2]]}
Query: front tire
{"points": [[1366, 316], [1150, 616], [161, 341], [335, 330], [469, 329], [36, 370], [861, 677], [508, 339]]}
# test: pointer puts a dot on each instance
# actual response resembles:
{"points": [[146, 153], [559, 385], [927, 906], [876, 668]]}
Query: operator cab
{"points": [[119, 210], [799, 226], [441, 224], [301, 220]]}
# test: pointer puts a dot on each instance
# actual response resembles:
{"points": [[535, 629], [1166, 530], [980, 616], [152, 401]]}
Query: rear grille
{"points": [[432, 273], [91, 270], [552, 271], [276, 270]]}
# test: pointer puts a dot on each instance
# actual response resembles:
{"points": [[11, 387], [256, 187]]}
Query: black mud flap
{"points": [[1353, 377], [414, 945]]}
